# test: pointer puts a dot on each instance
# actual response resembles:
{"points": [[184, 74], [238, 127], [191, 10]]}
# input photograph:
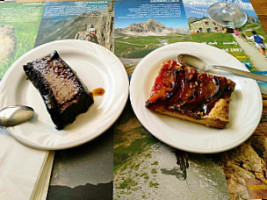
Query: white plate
{"points": [[96, 66], [245, 107]]}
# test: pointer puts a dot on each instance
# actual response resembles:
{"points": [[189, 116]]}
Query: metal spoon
{"points": [[194, 61], [14, 115]]}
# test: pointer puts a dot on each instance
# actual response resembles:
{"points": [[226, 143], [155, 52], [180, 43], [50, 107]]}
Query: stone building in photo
{"points": [[204, 25]]}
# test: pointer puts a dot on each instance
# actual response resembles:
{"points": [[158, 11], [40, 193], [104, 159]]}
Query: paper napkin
{"points": [[24, 172]]}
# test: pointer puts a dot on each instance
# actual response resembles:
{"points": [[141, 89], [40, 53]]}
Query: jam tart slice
{"points": [[183, 92]]}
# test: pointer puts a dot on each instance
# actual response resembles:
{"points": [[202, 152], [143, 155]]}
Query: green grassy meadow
{"points": [[258, 28], [129, 140], [139, 46], [124, 153], [25, 31], [220, 38]]}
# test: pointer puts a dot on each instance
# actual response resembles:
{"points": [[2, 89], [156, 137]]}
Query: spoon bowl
{"points": [[196, 62], [14, 115], [192, 61]]}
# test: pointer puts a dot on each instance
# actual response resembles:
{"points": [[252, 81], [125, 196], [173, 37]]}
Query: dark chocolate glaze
{"points": [[64, 95], [183, 89]]}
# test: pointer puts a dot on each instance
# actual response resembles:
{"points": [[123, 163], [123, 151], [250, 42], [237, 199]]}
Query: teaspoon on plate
{"points": [[14, 115], [194, 61]]}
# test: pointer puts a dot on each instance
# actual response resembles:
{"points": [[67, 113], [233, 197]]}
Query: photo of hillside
{"points": [[77, 22], [137, 40], [141, 27], [145, 168], [18, 31], [233, 41], [239, 171], [85, 171]]}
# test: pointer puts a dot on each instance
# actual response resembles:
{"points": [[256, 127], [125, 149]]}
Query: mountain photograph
{"points": [[135, 41], [143, 26], [150, 27], [68, 26], [91, 192]]}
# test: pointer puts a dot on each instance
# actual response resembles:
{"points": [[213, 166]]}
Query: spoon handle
{"points": [[243, 73]]}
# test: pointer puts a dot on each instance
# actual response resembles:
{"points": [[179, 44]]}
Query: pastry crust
{"points": [[217, 118], [174, 99]]}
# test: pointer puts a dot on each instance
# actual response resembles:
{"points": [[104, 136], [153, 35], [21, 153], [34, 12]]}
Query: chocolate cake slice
{"points": [[183, 92], [64, 95]]}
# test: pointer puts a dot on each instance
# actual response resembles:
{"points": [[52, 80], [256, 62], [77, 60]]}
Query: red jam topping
{"points": [[183, 89]]}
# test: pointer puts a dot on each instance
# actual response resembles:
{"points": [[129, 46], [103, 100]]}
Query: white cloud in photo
{"points": [[245, 6], [206, 3], [199, 2]]}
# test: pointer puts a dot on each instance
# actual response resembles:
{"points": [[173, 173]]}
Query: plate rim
{"points": [[198, 151], [105, 126]]}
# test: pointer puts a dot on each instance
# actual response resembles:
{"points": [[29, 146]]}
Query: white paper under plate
{"points": [[245, 106], [96, 66]]}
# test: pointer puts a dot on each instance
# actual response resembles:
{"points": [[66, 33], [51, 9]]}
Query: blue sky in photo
{"points": [[199, 8], [62, 9], [123, 11]]}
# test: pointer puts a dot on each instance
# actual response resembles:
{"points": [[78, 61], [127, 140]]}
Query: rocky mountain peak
{"points": [[148, 26]]}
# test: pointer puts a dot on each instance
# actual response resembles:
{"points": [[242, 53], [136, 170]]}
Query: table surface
{"points": [[88, 170], [260, 6]]}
